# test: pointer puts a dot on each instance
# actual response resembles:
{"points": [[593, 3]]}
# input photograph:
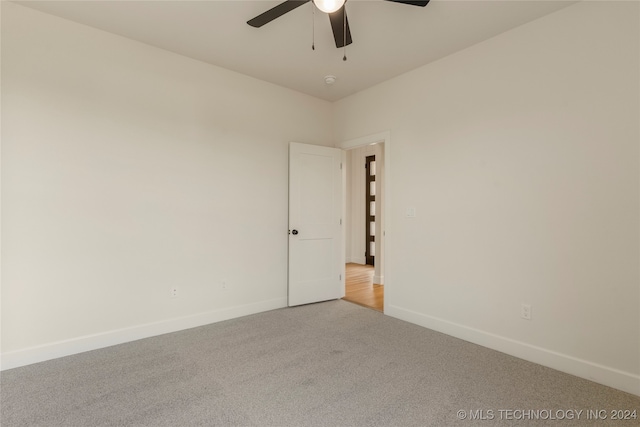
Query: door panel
{"points": [[370, 211], [315, 230]]}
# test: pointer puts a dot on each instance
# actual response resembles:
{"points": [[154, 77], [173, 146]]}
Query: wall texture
{"points": [[521, 156], [128, 170]]}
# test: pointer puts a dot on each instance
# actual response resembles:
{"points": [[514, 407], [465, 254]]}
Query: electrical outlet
{"points": [[224, 284], [173, 292], [525, 311]]}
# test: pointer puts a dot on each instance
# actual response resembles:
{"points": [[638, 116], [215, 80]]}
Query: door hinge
{"points": [[340, 165], [340, 221], [341, 277]]}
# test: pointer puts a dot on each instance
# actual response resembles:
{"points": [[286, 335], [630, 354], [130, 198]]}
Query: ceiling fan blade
{"points": [[412, 2], [338, 25], [275, 12]]}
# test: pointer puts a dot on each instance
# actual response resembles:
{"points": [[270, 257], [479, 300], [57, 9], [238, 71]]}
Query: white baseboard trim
{"points": [[15, 359], [378, 280], [601, 374], [358, 260]]}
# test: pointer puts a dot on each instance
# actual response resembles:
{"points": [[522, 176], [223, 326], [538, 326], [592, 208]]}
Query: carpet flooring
{"points": [[327, 364]]}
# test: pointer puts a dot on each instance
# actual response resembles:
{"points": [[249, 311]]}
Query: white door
{"points": [[315, 224]]}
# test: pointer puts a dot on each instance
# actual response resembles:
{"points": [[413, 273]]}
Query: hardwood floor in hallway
{"points": [[360, 289]]}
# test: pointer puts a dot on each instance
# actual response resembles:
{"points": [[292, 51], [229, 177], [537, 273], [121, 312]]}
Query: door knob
{"points": [[294, 232]]}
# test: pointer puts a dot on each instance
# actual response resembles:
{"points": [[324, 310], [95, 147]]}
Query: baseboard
{"points": [[601, 374], [378, 280], [358, 260], [15, 359]]}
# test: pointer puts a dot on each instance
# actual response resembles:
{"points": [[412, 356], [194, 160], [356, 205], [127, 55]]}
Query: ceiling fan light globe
{"points": [[329, 6]]}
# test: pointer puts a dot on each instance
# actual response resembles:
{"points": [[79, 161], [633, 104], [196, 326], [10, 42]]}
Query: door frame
{"points": [[383, 137]]}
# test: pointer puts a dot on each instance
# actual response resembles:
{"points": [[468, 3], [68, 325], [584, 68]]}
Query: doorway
{"points": [[364, 237]]}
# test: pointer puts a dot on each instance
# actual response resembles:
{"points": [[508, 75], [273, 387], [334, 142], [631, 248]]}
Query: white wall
{"points": [[127, 170], [521, 155]]}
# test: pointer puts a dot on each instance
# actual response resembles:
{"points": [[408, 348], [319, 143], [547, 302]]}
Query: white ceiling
{"points": [[388, 38]]}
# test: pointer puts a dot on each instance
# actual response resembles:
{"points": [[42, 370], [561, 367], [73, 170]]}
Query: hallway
{"points": [[359, 287]]}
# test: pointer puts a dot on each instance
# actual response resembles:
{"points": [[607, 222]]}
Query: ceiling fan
{"points": [[333, 8]]}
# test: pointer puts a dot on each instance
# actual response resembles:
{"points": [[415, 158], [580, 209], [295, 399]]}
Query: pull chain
{"points": [[313, 27], [344, 28]]}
